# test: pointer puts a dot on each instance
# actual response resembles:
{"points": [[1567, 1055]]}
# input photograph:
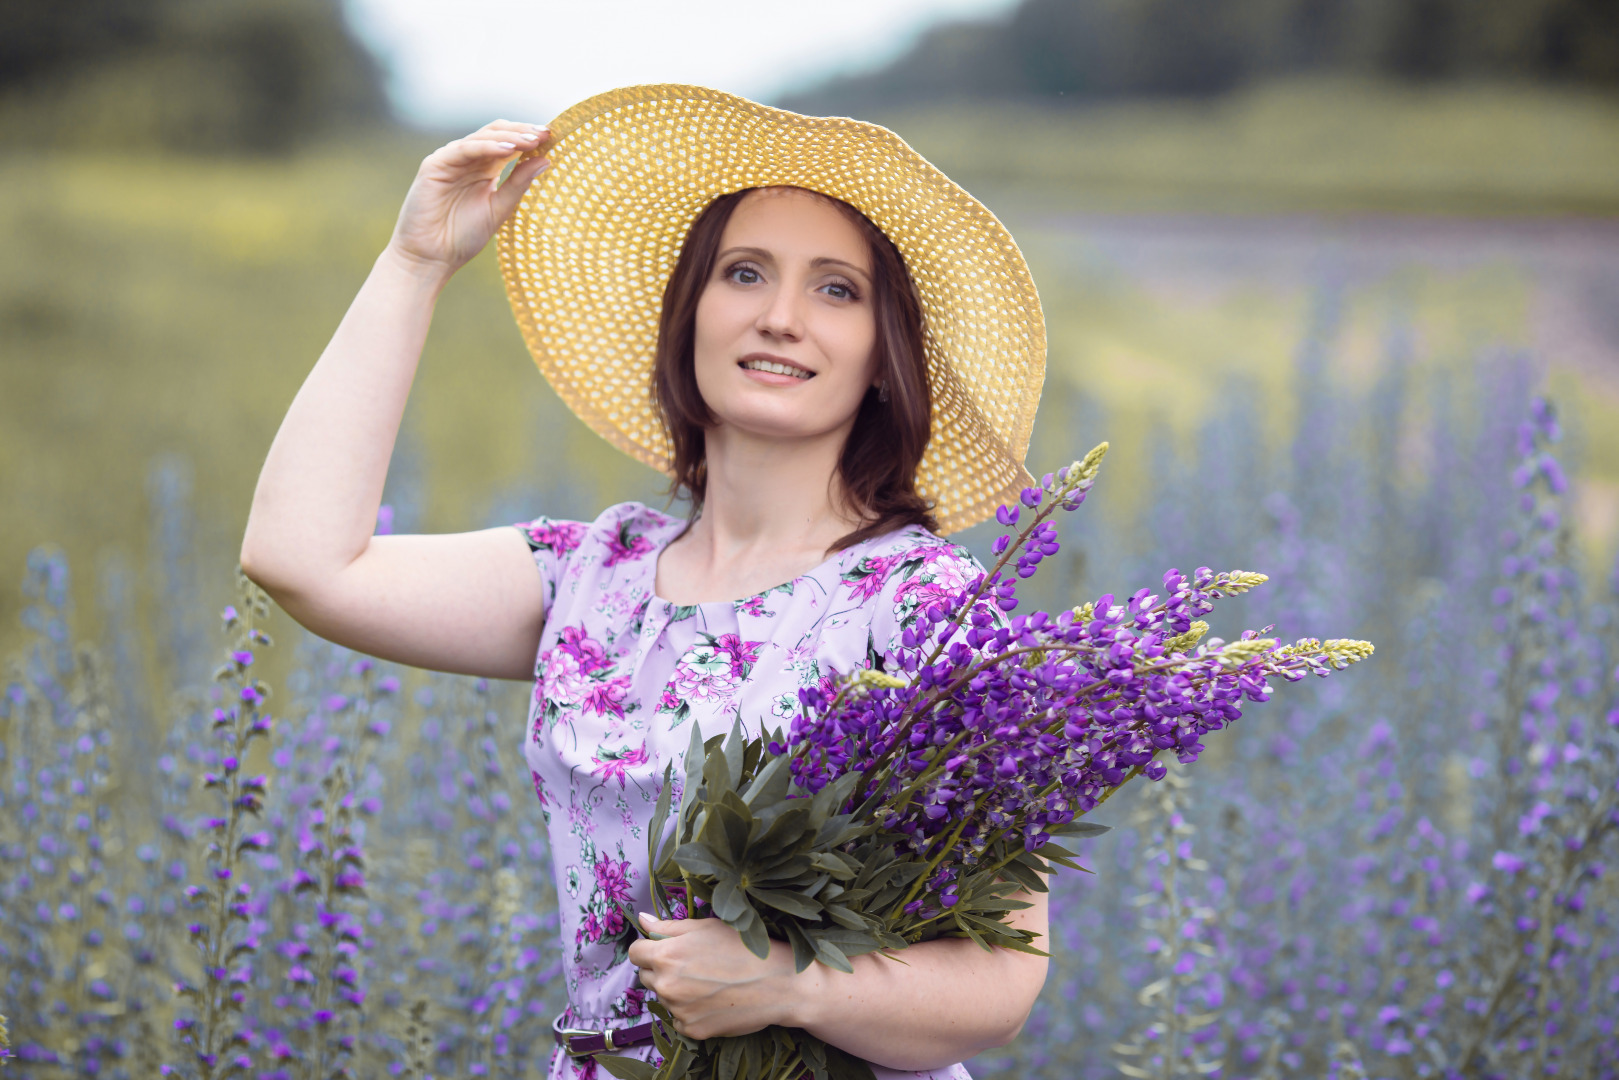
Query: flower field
{"points": [[1398, 875], [1406, 872]]}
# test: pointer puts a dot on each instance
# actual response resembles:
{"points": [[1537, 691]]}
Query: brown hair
{"points": [[877, 468]]}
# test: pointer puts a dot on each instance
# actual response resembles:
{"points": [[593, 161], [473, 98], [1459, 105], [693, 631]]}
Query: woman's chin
{"points": [[795, 425]]}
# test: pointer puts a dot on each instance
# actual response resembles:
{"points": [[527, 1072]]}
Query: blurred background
{"points": [[1304, 263], [192, 193]]}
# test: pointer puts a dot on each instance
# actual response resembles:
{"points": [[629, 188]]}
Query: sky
{"points": [[456, 63]]}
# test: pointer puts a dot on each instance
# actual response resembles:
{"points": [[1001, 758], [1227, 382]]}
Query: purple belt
{"points": [[583, 1042]]}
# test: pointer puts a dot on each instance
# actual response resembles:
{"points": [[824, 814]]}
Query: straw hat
{"points": [[590, 249]]}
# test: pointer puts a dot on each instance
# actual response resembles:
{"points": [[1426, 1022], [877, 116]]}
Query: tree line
{"points": [[259, 75], [1074, 49]]}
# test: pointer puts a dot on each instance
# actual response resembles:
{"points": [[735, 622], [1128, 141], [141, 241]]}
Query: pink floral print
{"points": [[620, 674], [559, 536], [625, 546], [612, 764]]}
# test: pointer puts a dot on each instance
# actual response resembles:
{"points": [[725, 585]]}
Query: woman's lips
{"points": [[774, 369]]}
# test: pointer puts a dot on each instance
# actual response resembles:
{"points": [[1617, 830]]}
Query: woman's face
{"points": [[785, 342]]}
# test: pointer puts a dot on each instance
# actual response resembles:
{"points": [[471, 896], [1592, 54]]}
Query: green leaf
{"points": [[754, 935], [829, 799], [779, 870], [990, 926], [737, 820], [803, 951], [729, 901], [717, 777], [753, 1048], [814, 1051], [839, 865], [781, 829], [903, 873], [735, 748], [844, 917], [634, 923], [1024, 876], [1080, 829], [842, 1065], [697, 858], [875, 860], [890, 940], [695, 756], [753, 752], [850, 941], [970, 932], [1022, 947], [729, 1058], [790, 902], [656, 843], [993, 903], [714, 836], [626, 1068], [830, 955], [769, 788]]}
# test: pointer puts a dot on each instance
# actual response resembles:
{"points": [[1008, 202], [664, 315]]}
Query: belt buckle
{"points": [[569, 1034]]}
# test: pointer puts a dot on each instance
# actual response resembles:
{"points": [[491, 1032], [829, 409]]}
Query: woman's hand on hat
{"points": [[457, 200], [706, 977]]}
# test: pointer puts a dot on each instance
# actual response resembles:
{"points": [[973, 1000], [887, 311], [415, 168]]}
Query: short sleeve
{"points": [[930, 571], [551, 541]]}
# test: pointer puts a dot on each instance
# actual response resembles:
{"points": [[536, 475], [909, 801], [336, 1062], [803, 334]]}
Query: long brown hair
{"points": [[877, 468]]}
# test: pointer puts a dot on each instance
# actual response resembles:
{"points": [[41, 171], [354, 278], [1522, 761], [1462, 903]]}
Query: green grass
{"points": [[164, 306], [1318, 145], [158, 305]]}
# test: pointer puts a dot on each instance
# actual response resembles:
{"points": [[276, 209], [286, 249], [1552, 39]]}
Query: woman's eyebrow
{"points": [[758, 253], [828, 261]]}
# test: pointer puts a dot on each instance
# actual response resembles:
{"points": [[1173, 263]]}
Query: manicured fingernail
{"points": [[528, 135], [643, 916], [507, 145]]}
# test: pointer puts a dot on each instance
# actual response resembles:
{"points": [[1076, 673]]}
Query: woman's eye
{"points": [[841, 290], [743, 275]]}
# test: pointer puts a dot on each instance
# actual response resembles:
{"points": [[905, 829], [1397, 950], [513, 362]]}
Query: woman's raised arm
{"points": [[467, 602]]}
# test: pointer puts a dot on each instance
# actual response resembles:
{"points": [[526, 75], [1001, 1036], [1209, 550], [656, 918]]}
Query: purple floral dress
{"points": [[622, 675]]}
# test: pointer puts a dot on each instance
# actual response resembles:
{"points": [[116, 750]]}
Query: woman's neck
{"points": [[771, 510]]}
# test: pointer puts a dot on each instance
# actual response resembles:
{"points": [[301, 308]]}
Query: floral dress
{"points": [[621, 677]]}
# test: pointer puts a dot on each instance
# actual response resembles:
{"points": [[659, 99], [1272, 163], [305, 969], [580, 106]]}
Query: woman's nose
{"points": [[781, 316]]}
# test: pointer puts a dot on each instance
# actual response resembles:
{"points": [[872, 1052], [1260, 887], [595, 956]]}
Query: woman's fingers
{"points": [[504, 133], [465, 153], [503, 128]]}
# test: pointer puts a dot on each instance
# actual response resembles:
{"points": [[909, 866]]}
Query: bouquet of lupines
{"points": [[916, 803]]}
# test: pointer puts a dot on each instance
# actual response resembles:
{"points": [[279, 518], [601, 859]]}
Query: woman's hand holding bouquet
{"points": [[915, 804]]}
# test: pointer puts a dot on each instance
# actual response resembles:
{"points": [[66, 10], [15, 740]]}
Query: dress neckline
{"points": [[812, 572]]}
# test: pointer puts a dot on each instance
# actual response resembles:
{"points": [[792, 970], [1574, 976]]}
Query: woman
{"points": [[807, 378]]}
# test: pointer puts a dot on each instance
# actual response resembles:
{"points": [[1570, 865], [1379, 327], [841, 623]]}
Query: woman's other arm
{"points": [[468, 602], [947, 1001]]}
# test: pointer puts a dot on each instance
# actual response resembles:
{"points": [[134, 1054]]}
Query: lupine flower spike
{"points": [[211, 1024]]}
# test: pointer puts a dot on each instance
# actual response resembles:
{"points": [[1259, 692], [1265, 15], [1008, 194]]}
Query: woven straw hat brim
{"points": [[587, 255]]}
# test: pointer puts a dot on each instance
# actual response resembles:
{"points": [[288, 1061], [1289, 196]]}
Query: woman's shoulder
{"points": [[626, 529], [915, 544]]}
